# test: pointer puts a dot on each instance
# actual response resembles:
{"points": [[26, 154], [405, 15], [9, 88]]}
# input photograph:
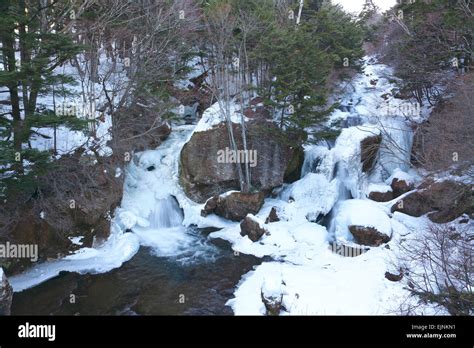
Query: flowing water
{"points": [[145, 285]]}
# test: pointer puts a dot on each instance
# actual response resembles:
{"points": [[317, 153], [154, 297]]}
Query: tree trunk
{"points": [[8, 48]]}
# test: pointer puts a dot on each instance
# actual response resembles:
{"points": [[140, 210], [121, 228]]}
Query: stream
{"points": [[145, 285]]}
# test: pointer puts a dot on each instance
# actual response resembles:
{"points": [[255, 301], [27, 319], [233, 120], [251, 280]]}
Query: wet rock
{"points": [[235, 205], [399, 187], [163, 131], [368, 235], [381, 196], [273, 216], [251, 227], [369, 148], [6, 294], [203, 175], [444, 201], [394, 277]]}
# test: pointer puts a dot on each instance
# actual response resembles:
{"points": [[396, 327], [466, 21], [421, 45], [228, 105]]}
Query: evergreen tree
{"points": [[301, 58], [33, 46]]}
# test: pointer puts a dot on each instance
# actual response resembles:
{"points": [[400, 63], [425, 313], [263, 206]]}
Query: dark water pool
{"points": [[145, 285]]}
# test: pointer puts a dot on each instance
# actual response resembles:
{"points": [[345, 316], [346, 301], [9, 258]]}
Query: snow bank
{"points": [[330, 285]]}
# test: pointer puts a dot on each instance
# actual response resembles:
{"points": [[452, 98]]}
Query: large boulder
{"points": [[445, 201], [6, 294], [235, 205], [367, 235], [203, 173], [252, 228]]}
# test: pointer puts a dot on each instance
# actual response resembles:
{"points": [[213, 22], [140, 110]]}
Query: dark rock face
{"points": [[368, 235], [52, 243], [273, 216], [6, 294], [202, 175], [399, 187], [369, 148], [234, 206], [251, 228], [381, 196], [445, 200]]}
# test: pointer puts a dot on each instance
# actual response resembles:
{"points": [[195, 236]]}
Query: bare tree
{"points": [[220, 23], [439, 267]]}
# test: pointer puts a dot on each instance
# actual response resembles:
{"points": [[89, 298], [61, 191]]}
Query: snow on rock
{"points": [[76, 240], [379, 188], [213, 115], [356, 212], [401, 175], [293, 238]]}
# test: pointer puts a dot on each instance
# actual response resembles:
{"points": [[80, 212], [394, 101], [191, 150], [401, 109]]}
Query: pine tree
{"points": [[33, 46], [301, 58]]}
